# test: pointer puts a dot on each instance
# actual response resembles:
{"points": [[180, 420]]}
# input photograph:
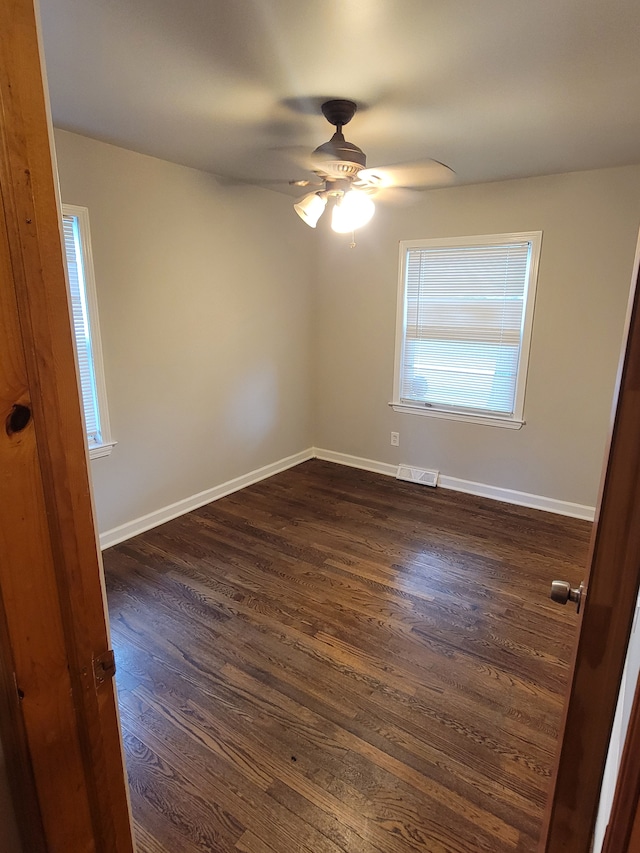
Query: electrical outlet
{"points": [[395, 439]]}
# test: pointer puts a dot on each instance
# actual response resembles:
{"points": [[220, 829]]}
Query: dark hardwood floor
{"points": [[332, 660]]}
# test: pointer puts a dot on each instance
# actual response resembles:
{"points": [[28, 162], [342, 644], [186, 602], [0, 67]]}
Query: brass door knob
{"points": [[562, 592]]}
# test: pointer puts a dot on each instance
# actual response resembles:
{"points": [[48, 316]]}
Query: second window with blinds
{"points": [[465, 315], [86, 329]]}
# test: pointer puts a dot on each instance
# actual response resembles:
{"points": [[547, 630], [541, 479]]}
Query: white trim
{"points": [[484, 490], [512, 496], [99, 450], [153, 519], [355, 462], [433, 412]]}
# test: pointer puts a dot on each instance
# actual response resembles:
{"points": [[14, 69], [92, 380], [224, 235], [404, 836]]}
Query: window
{"points": [[465, 312], [77, 246]]}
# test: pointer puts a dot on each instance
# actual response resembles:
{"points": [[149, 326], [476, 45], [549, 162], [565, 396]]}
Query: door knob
{"points": [[561, 592]]}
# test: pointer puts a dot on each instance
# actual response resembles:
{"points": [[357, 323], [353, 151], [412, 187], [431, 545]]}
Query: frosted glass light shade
{"points": [[310, 208], [353, 211]]}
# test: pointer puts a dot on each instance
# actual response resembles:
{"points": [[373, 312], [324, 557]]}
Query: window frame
{"points": [[512, 421], [105, 445]]}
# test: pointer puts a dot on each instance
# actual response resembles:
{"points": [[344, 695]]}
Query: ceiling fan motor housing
{"points": [[339, 157]]}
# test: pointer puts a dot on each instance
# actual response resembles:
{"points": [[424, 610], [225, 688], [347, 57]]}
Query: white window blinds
{"points": [[465, 310], [82, 328]]}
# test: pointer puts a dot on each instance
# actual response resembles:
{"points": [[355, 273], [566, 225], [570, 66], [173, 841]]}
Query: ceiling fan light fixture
{"points": [[310, 208], [352, 211]]}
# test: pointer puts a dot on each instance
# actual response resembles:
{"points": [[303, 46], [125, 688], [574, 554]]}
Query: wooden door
{"points": [[58, 714], [612, 578]]}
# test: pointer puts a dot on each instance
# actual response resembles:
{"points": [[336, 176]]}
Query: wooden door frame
{"points": [[624, 819], [58, 712]]}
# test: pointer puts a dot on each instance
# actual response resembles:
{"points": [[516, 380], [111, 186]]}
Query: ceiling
{"points": [[495, 89]]}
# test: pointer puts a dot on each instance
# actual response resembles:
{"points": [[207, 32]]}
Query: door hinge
{"points": [[104, 667]]}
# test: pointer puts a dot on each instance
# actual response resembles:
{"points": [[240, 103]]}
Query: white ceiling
{"points": [[495, 89]]}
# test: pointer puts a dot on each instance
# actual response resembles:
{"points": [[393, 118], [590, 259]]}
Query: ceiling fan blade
{"points": [[397, 196], [299, 156], [227, 181], [426, 173], [306, 183]]}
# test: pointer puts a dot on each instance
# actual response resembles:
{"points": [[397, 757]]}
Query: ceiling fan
{"points": [[344, 180]]}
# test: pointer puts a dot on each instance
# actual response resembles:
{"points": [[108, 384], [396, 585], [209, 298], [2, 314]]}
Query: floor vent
{"points": [[417, 475]]}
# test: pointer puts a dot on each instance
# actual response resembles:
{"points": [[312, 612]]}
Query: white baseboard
{"points": [[497, 493], [511, 496], [355, 462], [153, 519]]}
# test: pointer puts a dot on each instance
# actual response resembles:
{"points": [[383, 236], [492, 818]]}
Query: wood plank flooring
{"points": [[333, 661]]}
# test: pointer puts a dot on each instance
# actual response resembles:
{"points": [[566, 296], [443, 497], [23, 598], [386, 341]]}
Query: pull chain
{"points": [[352, 244]]}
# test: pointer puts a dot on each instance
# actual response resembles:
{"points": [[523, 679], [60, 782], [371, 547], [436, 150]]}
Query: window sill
{"points": [[99, 450], [484, 420]]}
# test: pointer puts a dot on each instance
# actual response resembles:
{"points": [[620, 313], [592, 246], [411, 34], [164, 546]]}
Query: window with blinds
{"points": [[464, 326], [85, 328]]}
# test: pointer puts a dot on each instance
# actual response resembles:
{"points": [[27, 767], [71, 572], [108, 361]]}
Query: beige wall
{"points": [[590, 222], [203, 296], [222, 315]]}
